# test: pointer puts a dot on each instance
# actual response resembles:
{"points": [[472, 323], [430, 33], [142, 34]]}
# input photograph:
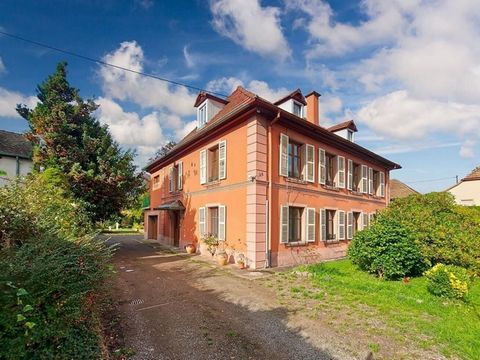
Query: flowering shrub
{"points": [[448, 281]]}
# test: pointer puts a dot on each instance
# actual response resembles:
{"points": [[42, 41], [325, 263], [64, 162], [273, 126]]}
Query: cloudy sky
{"points": [[407, 71]]}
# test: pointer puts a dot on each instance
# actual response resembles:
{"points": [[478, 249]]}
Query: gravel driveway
{"points": [[175, 306]]}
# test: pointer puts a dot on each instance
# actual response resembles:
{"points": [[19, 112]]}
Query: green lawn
{"points": [[408, 309]]}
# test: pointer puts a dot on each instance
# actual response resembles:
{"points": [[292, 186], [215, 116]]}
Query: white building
{"points": [[467, 191], [15, 156]]}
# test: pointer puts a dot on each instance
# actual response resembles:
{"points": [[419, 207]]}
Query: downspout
{"points": [[269, 193], [17, 170]]}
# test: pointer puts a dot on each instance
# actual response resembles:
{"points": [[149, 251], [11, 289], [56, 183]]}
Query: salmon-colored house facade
{"points": [[267, 180]]}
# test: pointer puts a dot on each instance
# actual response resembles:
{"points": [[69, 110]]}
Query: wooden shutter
{"points": [[284, 224], [323, 224], [341, 172], [203, 166], [221, 222], [222, 159], [364, 179], [370, 181], [341, 225], [201, 222], [283, 155], [310, 231], [322, 171], [180, 175], [310, 162], [350, 175], [171, 179], [349, 225], [365, 220], [371, 218], [382, 184]]}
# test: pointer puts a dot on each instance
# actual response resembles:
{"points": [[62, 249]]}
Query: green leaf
{"points": [[22, 292], [27, 308], [21, 318], [30, 324]]}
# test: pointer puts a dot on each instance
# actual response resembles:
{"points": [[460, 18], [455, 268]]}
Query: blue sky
{"points": [[407, 71]]}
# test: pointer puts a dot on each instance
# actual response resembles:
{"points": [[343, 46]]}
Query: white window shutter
{"points": [[283, 155], [341, 225], [203, 166], [349, 225], [364, 179], [171, 179], [370, 181], [201, 222], [341, 172], [310, 232], [222, 212], [382, 184], [222, 159], [284, 225], [180, 176], [310, 162], [322, 171], [350, 175], [371, 218], [323, 224], [365, 220]]}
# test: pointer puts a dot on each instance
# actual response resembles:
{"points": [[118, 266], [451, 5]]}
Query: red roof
{"points": [[474, 175], [296, 95], [202, 96], [349, 124]]}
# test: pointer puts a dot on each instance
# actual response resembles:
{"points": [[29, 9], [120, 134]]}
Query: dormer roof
{"points": [[349, 124], [202, 96], [296, 95]]}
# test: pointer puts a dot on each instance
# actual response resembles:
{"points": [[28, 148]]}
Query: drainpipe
{"points": [[17, 159], [268, 262]]}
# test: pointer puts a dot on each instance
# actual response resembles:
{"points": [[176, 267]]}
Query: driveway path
{"points": [[175, 306]]}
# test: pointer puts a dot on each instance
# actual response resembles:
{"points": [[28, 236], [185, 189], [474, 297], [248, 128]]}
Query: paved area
{"points": [[176, 306]]}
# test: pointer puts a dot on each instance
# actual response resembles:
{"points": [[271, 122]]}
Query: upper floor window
{"points": [[156, 182], [294, 161], [330, 169], [297, 109], [213, 163], [297, 160], [202, 115]]}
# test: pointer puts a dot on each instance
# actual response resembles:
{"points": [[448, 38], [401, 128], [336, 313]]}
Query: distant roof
{"points": [[474, 175], [14, 144], [349, 124], [202, 96], [400, 190]]}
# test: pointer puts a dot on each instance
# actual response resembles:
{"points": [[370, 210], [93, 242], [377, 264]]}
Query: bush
{"points": [[448, 281], [388, 249], [52, 273]]}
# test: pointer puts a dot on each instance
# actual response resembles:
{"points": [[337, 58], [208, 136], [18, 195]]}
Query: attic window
{"points": [[202, 115], [298, 109], [350, 135]]}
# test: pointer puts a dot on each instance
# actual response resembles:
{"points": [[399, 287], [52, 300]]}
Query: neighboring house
{"points": [[266, 179], [467, 191], [15, 156], [400, 190]]}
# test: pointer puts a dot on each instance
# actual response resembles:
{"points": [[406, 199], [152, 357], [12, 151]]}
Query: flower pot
{"points": [[190, 248], [222, 258], [241, 265]]}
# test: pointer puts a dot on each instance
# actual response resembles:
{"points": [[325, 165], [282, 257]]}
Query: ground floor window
{"points": [[330, 223], [213, 221], [295, 224]]}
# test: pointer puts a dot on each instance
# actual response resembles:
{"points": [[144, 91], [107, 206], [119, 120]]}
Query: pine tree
{"points": [[99, 172]]}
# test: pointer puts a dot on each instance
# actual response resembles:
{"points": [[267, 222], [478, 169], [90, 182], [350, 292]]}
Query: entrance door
{"points": [[176, 228], [152, 227]]}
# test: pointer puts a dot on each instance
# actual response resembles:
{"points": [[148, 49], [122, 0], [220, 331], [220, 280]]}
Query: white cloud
{"points": [[261, 88], [250, 25], [2, 66], [467, 150], [146, 4], [10, 99], [188, 58], [144, 91]]}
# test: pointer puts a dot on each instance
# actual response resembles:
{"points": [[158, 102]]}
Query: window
{"points": [[330, 224], [213, 221], [330, 169], [350, 135], [298, 109], [376, 182], [156, 182], [294, 160], [202, 115], [295, 224], [213, 163], [357, 177]]}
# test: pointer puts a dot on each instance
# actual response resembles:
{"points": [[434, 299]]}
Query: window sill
{"points": [[296, 243], [357, 193], [330, 187], [212, 183], [297, 181]]}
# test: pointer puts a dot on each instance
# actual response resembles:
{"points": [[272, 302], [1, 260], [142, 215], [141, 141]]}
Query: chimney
{"points": [[313, 108]]}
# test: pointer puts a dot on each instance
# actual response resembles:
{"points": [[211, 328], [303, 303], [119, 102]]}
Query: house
{"points": [[267, 180], [399, 190], [467, 191], [15, 156]]}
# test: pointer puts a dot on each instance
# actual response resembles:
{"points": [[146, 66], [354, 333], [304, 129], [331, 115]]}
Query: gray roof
{"points": [[14, 144]]}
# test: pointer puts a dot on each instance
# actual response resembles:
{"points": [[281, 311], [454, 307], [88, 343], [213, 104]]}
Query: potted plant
{"points": [[190, 248], [222, 257], [211, 242], [240, 260]]}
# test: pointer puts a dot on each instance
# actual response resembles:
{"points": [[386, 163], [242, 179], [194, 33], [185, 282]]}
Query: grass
{"points": [[408, 309]]}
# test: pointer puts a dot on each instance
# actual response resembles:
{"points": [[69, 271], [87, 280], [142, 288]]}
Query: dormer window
{"points": [[350, 135], [202, 115], [297, 109]]}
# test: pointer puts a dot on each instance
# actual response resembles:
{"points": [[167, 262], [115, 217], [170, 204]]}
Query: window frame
{"points": [[330, 225], [297, 224], [290, 164], [202, 110], [300, 107], [330, 169]]}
